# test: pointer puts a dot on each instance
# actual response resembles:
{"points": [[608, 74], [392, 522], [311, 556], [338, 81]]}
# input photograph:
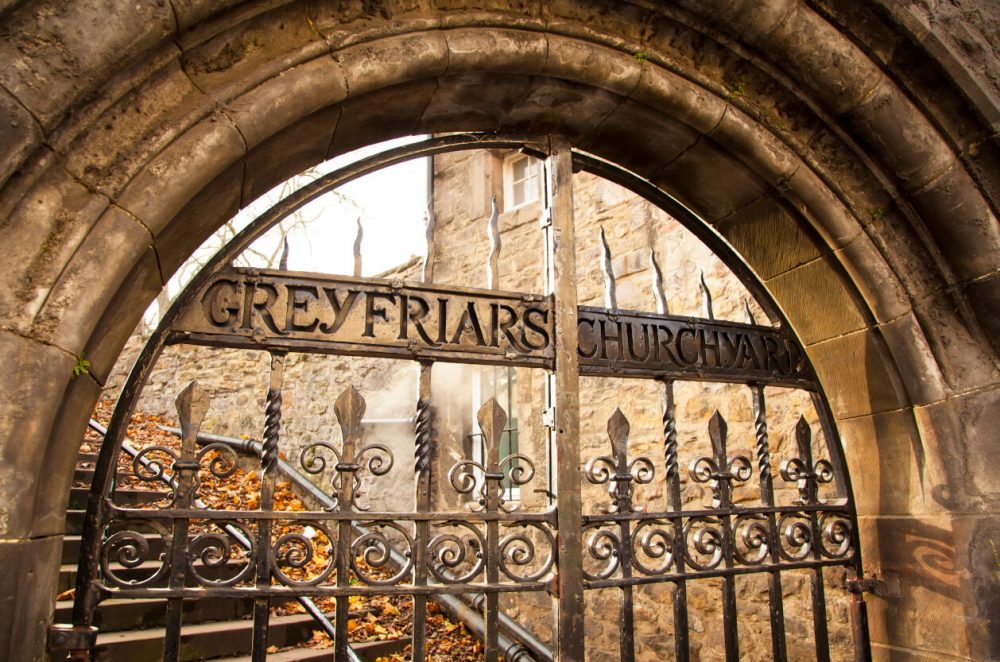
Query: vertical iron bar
{"points": [[681, 649], [561, 247], [422, 503], [809, 493], [717, 431], [778, 649], [618, 430], [269, 468], [492, 421], [350, 409], [192, 405]]}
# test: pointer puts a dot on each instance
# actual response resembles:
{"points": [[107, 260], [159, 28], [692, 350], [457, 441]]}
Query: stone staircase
{"points": [[214, 628]]}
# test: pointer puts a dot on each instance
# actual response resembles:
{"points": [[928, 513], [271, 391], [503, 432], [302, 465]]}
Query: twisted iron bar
{"points": [[272, 428], [422, 444], [670, 436], [760, 432]]}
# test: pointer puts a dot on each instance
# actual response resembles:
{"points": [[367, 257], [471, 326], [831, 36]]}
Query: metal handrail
{"points": [[311, 608], [517, 643]]}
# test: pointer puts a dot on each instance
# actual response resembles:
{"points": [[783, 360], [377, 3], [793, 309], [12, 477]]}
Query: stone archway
{"points": [[845, 153]]}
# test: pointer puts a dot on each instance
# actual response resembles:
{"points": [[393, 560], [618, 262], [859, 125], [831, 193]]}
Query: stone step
{"points": [[87, 458], [116, 615], [74, 522], [83, 475], [203, 641], [125, 498], [368, 651]]}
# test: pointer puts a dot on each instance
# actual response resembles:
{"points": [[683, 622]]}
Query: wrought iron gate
{"points": [[501, 550]]}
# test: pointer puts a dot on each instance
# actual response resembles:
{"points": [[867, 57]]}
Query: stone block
{"points": [[983, 296], [761, 151], [555, 106], [122, 314], [979, 416], [89, 281], [832, 68], [680, 98], [389, 113], [807, 193], [36, 373], [287, 153], [888, 464], [478, 103], [960, 223], [594, 65], [835, 161], [191, 12], [392, 61], [29, 568], [904, 250], [917, 365], [873, 276], [252, 51], [51, 495], [136, 127], [710, 181], [40, 236], [175, 175], [929, 616], [858, 374], [206, 211], [769, 238], [819, 300], [57, 52], [618, 25], [893, 128], [622, 138], [21, 135], [346, 22], [964, 355], [499, 51]]}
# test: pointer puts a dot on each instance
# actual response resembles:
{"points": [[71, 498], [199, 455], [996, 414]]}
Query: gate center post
{"points": [[564, 399]]}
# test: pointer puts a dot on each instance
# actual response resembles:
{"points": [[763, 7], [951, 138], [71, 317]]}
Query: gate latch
{"points": [[888, 586], [78, 640]]}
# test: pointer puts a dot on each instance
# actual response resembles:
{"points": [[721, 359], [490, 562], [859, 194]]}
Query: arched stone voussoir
{"points": [[247, 53], [169, 180], [57, 53], [89, 281]]}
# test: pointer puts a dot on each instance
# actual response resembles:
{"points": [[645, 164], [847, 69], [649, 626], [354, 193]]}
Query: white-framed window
{"points": [[498, 382], [522, 180]]}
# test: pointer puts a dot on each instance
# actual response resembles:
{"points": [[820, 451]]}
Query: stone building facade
{"points": [[846, 150]]}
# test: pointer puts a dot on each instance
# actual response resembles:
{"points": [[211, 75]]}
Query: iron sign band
{"points": [[251, 309]]}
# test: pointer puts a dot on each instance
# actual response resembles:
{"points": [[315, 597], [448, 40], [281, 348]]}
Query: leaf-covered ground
{"points": [[371, 618]]}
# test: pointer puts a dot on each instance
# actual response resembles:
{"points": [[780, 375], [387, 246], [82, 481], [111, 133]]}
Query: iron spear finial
{"points": [[610, 296]]}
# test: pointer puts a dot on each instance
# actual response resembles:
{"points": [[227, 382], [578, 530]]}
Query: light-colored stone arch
{"points": [[861, 195]]}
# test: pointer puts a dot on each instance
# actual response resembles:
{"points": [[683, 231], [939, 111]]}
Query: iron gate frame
{"points": [[566, 523]]}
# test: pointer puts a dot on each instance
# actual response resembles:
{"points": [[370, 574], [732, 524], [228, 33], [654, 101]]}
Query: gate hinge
{"points": [[888, 586], [549, 418], [553, 586], [78, 640]]}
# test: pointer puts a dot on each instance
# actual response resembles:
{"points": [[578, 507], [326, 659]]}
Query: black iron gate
{"points": [[500, 550]]}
